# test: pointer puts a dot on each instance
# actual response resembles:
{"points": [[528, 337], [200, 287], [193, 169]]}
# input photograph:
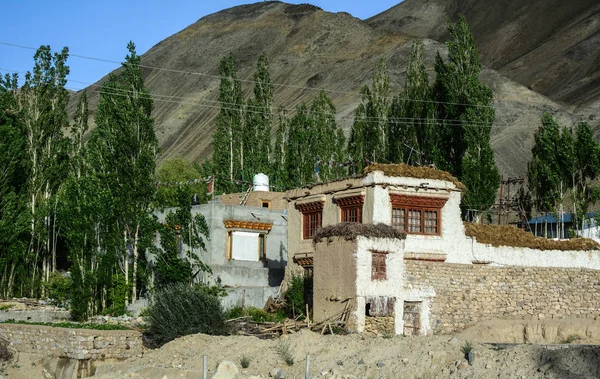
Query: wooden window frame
{"points": [[349, 204], [378, 265], [422, 204], [261, 247], [265, 202], [310, 211]]}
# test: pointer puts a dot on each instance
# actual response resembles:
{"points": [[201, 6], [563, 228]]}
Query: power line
{"points": [[281, 85]]}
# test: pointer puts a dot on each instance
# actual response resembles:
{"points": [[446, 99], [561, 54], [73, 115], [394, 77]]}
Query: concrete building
{"points": [[409, 286], [247, 248]]}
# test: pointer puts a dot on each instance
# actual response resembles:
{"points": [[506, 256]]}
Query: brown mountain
{"points": [[550, 46], [310, 49]]}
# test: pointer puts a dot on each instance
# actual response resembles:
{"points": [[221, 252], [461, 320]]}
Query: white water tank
{"points": [[260, 182]]}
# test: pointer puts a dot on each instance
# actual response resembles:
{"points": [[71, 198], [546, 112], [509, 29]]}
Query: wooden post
{"points": [[307, 317]]}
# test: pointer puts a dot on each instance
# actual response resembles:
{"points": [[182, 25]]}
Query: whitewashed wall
{"points": [[393, 286]]}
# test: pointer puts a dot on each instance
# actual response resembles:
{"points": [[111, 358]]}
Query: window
{"points": [[378, 265], [265, 204], [312, 215], [351, 208], [311, 223], [416, 214], [246, 240]]}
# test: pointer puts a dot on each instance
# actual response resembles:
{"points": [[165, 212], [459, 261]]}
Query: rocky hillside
{"points": [[310, 49], [550, 46]]}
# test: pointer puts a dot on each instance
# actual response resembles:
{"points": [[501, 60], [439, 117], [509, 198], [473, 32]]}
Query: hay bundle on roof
{"points": [[401, 169], [351, 230], [503, 235]]}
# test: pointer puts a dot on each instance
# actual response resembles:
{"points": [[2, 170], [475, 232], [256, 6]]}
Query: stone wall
{"points": [[380, 325], [463, 295], [81, 344]]}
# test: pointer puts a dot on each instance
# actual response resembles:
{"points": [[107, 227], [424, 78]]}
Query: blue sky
{"points": [[102, 28]]}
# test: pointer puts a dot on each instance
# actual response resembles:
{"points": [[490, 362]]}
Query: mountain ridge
{"points": [[311, 48]]}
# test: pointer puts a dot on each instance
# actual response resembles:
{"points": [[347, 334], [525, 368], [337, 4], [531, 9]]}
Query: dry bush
{"points": [[505, 235], [351, 230], [401, 169]]}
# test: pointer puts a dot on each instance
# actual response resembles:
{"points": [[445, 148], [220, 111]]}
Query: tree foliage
{"points": [[465, 116]]}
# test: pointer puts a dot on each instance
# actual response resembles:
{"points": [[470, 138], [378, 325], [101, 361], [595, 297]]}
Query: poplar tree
{"points": [[462, 136], [369, 139], [587, 168], [228, 144], [14, 172], [411, 113], [124, 149], [42, 102], [551, 166], [280, 150], [257, 129]]}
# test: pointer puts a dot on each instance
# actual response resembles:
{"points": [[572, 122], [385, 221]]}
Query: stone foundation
{"points": [[380, 325], [464, 295], [80, 344]]}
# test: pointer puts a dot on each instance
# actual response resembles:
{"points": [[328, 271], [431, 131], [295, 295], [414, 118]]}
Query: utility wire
{"points": [[281, 85]]}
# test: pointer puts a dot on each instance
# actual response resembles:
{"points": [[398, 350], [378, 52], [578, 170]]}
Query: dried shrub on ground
{"points": [[401, 169], [178, 310], [5, 354], [351, 230], [504, 235], [285, 352]]}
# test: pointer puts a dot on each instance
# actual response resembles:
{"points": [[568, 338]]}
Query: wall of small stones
{"points": [[73, 343], [380, 325], [468, 294]]}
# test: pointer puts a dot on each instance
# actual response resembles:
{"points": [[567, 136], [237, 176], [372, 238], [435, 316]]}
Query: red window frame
{"points": [[311, 222], [378, 265], [351, 208], [312, 218], [417, 214]]}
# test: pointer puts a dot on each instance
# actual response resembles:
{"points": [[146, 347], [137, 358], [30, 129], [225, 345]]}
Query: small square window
{"points": [[266, 204]]}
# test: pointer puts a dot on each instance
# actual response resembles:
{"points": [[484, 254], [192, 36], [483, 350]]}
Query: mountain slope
{"points": [[310, 48], [550, 46]]}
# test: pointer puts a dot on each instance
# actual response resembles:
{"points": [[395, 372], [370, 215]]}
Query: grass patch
{"points": [[245, 362], [5, 307], [71, 325], [570, 339], [466, 349], [285, 352]]}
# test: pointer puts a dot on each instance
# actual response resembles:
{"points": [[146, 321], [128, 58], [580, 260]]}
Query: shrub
{"points": [[570, 339], [466, 349], [58, 287], [178, 310], [285, 352], [245, 362], [5, 354], [294, 297]]}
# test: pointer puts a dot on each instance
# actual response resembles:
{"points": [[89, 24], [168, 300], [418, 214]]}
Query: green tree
{"points": [[411, 113], [369, 139], [175, 175], [228, 156], [259, 119], [552, 165], [462, 136], [123, 153], [14, 173], [280, 150], [43, 106], [586, 151], [182, 242]]}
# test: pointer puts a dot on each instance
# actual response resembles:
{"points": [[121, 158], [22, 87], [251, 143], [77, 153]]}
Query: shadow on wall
{"points": [[277, 267]]}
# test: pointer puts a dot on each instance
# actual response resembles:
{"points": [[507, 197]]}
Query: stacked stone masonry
{"points": [[73, 343], [379, 325], [468, 294]]}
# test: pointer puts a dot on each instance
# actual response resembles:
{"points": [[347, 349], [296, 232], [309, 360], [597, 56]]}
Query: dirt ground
{"points": [[360, 356]]}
